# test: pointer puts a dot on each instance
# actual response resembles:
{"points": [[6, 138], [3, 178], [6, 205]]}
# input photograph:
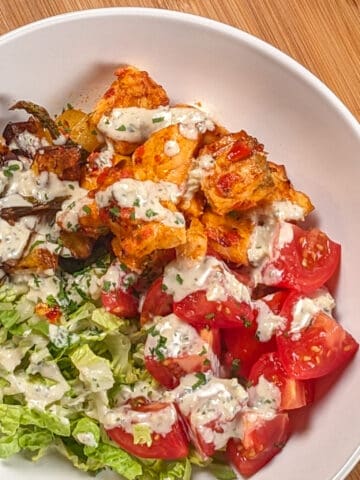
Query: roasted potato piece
{"points": [[37, 261], [241, 177], [283, 189], [194, 207], [196, 242], [228, 235], [78, 126], [79, 244], [132, 88], [153, 161], [64, 161]]}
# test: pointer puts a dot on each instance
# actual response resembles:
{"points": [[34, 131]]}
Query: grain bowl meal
{"points": [[160, 306]]}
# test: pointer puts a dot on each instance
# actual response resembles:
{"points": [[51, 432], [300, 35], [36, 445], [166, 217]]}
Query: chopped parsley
{"points": [[164, 287], [87, 209], [179, 279], [106, 285], [35, 244], [8, 171], [157, 351], [201, 380], [158, 119], [203, 351], [132, 215], [71, 186], [150, 213], [122, 128], [115, 211], [51, 301], [69, 106], [136, 203], [235, 364]]}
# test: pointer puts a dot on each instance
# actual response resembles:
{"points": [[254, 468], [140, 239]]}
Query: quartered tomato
{"points": [[318, 349], [262, 440], [305, 263], [157, 302], [118, 295], [170, 446], [243, 348], [294, 393], [167, 363], [200, 312]]}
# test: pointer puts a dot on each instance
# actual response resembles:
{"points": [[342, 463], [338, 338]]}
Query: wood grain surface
{"points": [[323, 35]]}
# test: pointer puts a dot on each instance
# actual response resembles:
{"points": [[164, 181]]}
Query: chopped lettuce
{"points": [[87, 432], [95, 371]]}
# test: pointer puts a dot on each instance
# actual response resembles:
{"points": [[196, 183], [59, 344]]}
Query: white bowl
{"points": [[246, 84]]}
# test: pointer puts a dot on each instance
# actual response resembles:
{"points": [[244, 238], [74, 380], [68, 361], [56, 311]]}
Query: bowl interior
{"points": [[245, 84]]}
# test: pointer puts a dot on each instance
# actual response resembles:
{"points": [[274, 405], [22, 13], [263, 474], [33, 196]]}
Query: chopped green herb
{"points": [[71, 205], [132, 215], [201, 380], [35, 244], [235, 364], [115, 211], [87, 209], [8, 171], [150, 213], [203, 351], [123, 267], [136, 203], [51, 301], [206, 362], [106, 285], [247, 323], [69, 106], [93, 132], [122, 128], [71, 186], [158, 119], [157, 351], [179, 279], [129, 280], [164, 287], [107, 122]]}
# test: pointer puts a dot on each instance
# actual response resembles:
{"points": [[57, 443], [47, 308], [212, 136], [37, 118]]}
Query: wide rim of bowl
{"points": [[265, 48]]}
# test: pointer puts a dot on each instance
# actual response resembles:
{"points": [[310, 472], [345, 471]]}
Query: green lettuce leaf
{"points": [[87, 432], [95, 371], [46, 420], [106, 455], [163, 470], [35, 440], [10, 416], [9, 445]]}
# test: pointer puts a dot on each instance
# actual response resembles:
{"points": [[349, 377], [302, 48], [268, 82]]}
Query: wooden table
{"points": [[323, 35]]}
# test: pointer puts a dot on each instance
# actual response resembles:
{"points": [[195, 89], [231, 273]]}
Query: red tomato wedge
{"points": [[294, 393], [198, 357], [262, 440], [317, 350], [305, 263], [171, 446], [242, 348], [121, 303], [200, 312], [157, 302]]}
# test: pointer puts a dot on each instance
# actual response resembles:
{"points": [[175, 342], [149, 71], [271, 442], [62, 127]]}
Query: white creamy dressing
{"points": [[171, 148], [39, 394], [39, 287], [306, 308], [87, 438], [145, 198], [265, 397], [11, 356], [104, 159], [201, 167], [210, 274], [135, 124], [286, 211], [218, 400], [267, 322], [139, 389], [14, 238], [178, 339], [159, 422], [72, 208], [260, 243], [60, 336], [117, 277], [28, 142], [43, 188]]}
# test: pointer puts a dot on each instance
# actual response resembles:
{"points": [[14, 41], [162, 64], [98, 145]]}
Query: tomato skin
{"points": [[121, 303], [263, 439], [172, 446], [200, 312], [306, 263], [157, 302], [294, 393], [317, 350], [169, 371], [242, 349]]}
